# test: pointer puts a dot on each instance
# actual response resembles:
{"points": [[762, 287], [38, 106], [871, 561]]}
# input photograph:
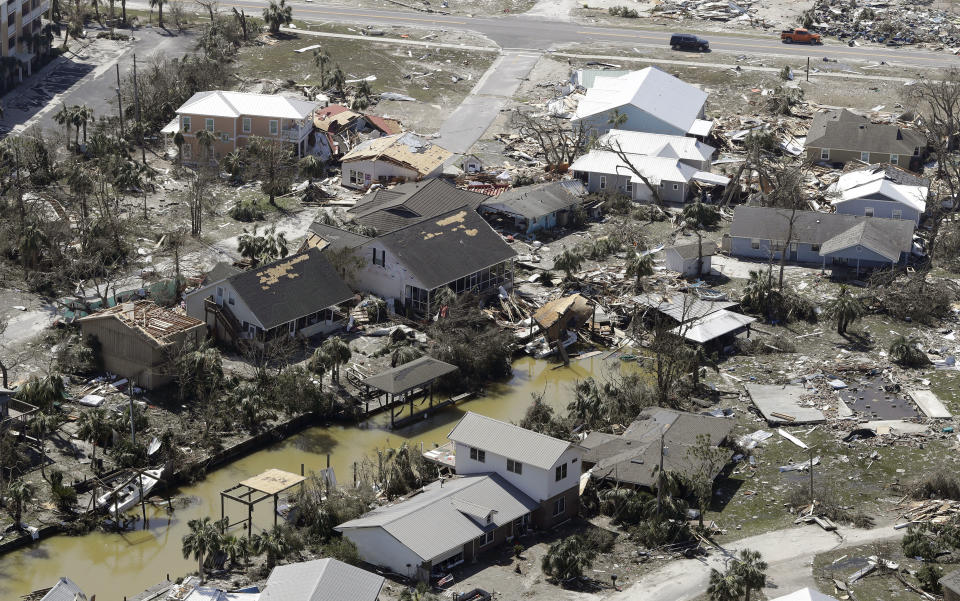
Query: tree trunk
{"points": [[123, 9], [160, 13], [699, 253], [4, 375]]}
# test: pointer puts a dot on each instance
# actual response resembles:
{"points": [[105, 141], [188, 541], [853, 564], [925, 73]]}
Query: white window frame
{"points": [[208, 124], [559, 506], [560, 473], [676, 186], [478, 455], [274, 127], [824, 154], [629, 186], [755, 243], [894, 159], [231, 299], [897, 214], [603, 182], [865, 156], [186, 124], [247, 125], [486, 538], [868, 212], [515, 467]]}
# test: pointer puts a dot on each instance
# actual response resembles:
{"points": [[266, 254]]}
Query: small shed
{"points": [[683, 258], [565, 313]]}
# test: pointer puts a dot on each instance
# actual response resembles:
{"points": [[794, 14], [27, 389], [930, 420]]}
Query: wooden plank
{"points": [[792, 438]]}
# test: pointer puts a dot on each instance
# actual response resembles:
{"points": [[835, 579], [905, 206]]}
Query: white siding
{"points": [[378, 547], [376, 170], [194, 302], [572, 457], [388, 281], [536, 483]]}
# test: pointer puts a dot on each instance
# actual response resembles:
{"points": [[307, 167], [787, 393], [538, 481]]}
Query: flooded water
{"points": [[116, 565]]}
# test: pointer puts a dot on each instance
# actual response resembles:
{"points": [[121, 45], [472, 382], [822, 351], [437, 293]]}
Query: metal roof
{"points": [[410, 375], [680, 306], [65, 590], [712, 326], [656, 169], [508, 440], [806, 594], [877, 181], [690, 251], [657, 145], [443, 516], [321, 580], [218, 103], [540, 199]]}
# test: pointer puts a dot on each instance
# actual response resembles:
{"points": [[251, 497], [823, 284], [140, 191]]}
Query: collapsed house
{"points": [[633, 458], [843, 240], [138, 339], [538, 207], [880, 191], [838, 136], [340, 128], [648, 100], [697, 321], [296, 295], [400, 157]]}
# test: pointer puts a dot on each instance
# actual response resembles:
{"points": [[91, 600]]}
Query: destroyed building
{"points": [[400, 157]]}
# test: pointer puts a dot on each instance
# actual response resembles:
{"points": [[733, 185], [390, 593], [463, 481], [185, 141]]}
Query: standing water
{"points": [[113, 565]]}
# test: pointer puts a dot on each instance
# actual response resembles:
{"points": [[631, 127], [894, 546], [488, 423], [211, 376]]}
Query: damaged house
{"points": [[389, 209], [838, 136], [136, 339], [340, 128], [697, 321], [538, 207], [880, 191], [649, 100], [633, 458], [687, 150], [400, 157], [606, 171], [296, 295], [819, 238]]}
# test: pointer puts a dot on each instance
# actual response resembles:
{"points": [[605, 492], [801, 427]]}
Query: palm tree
{"points": [[273, 543], [750, 571], [178, 139], [338, 352], [233, 164], [19, 493], [756, 292], [640, 266], [361, 98], [92, 427], [206, 140], [616, 119], [338, 79], [272, 245], [41, 425], [32, 241], [236, 548], [319, 363], [846, 308], [321, 59], [903, 350], [723, 586], [277, 14], [567, 559], [83, 114], [64, 117], [403, 355], [313, 167], [159, 5], [569, 262], [587, 405], [203, 540]]}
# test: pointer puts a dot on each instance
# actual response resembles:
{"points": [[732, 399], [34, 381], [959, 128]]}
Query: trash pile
{"points": [[709, 10], [891, 23], [932, 511]]}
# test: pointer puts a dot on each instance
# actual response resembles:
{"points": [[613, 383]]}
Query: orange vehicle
{"points": [[790, 36]]}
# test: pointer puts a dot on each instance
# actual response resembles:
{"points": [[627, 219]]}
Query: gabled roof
{"points": [[321, 580], [329, 237], [65, 590], [680, 306], [291, 287], [806, 594], [884, 236], [410, 375], [867, 235], [538, 200], [656, 169], [651, 90], [508, 440], [447, 247], [389, 209], [684, 148], [842, 129], [444, 515], [634, 456], [407, 149], [387, 126], [891, 183], [220, 271], [218, 103], [713, 326], [691, 251]]}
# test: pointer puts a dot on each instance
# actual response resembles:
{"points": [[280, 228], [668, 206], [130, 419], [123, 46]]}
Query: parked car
{"points": [[688, 41], [789, 36]]}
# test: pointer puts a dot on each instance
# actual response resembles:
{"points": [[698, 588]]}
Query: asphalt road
{"points": [[537, 33]]}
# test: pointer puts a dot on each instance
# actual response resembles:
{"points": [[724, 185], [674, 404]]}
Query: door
{"points": [[793, 251]]}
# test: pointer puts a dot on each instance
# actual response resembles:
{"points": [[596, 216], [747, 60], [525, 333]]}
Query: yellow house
{"points": [[235, 117]]}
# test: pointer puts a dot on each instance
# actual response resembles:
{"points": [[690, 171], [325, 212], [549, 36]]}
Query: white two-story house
{"points": [[544, 468]]}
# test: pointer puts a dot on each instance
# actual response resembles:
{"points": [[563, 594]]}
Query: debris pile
{"points": [[710, 10], [932, 511], [891, 23]]}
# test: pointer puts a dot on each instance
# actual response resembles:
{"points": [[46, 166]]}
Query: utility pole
{"points": [[808, 68], [136, 96], [119, 100]]}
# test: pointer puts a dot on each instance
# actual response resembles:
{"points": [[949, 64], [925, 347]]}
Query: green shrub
{"points": [[929, 576], [246, 211], [916, 543], [623, 11]]}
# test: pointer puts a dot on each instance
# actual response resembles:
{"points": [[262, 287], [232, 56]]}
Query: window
{"points": [[815, 248], [219, 295], [865, 157], [755, 243], [274, 127], [225, 136], [676, 186], [868, 211], [186, 125], [232, 300], [793, 246], [485, 539], [382, 262], [824, 154], [514, 466], [603, 182], [353, 177], [208, 124], [894, 159], [559, 506], [561, 472], [629, 187], [916, 151], [898, 213], [247, 125], [478, 455]]}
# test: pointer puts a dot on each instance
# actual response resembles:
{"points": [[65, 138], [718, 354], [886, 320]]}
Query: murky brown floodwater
{"points": [[112, 566]]}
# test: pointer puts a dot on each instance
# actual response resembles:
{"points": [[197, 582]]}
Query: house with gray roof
{"points": [[840, 135], [538, 207], [880, 191], [64, 590], [546, 469], [683, 258], [388, 209], [446, 523], [321, 580], [820, 238], [633, 457]]}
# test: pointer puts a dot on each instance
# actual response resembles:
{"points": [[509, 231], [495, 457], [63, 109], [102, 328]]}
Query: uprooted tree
{"points": [[558, 140]]}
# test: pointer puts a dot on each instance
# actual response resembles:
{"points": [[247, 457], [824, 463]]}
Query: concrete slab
{"points": [[896, 426], [783, 401], [928, 402]]}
